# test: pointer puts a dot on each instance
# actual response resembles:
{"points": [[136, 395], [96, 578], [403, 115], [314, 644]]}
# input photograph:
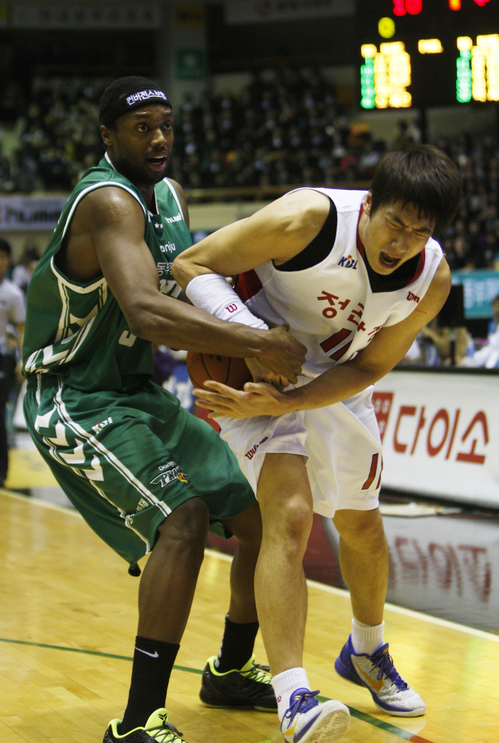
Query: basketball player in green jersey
{"points": [[146, 475]]}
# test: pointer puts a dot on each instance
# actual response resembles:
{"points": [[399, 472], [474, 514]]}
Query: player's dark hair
{"points": [[424, 176]]}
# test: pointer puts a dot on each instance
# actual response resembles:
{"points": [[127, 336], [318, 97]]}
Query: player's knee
{"points": [[361, 530], [294, 521], [185, 529]]}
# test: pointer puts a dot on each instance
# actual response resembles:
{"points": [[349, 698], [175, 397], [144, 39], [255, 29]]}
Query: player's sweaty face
{"points": [[143, 142], [394, 234]]}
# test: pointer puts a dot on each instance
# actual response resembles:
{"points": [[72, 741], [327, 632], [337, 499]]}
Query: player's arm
{"points": [[343, 380], [107, 237], [277, 232]]}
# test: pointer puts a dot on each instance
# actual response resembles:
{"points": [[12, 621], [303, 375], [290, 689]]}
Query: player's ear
{"points": [[367, 204], [105, 134]]}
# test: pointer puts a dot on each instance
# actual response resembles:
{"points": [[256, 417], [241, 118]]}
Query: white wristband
{"points": [[212, 293]]}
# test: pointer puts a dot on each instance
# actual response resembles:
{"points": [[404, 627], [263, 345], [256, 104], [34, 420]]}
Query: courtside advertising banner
{"points": [[440, 434], [27, 213]]}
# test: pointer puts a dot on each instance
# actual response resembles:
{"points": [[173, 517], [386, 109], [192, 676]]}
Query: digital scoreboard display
{"points": [[426, 53]]}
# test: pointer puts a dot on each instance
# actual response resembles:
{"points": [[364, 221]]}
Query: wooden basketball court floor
{"points": [[68, 618]]}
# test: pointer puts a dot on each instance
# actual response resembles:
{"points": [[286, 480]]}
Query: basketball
{"points": [[230, 371]]}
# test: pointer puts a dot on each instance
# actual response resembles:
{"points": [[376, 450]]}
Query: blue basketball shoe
{"points": [[307, 721], [378, 674]]}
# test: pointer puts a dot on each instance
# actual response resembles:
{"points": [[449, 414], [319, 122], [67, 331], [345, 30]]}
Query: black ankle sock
{"points": [[237, 645], [152, 665]]}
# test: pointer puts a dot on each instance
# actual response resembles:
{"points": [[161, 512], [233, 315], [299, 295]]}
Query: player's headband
{"points": [[129, 101]]}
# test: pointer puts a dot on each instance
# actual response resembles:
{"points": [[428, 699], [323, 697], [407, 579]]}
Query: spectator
{"points": [[488, 356], [22, 273], [451, 344]]}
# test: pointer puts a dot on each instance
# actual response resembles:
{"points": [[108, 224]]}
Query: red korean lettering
{"points": [[404, 410], [441, 415], [453, 433], [421, 424], [471, 456], [330, 312], [356, 315]]}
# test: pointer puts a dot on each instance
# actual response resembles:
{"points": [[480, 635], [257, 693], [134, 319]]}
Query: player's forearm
{"points": [[182, 326], [213, 294], [336, 384]]}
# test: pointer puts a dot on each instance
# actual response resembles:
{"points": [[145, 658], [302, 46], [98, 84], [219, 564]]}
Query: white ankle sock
{"points": [[367, 638], [284, 684]]}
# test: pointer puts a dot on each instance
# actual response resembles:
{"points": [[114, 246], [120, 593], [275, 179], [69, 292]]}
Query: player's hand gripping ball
{"points": [[204, 366]]}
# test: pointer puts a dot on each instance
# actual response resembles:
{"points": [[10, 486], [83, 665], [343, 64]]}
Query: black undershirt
{"points": [[397, 280], [322, 244], [319, 248]]}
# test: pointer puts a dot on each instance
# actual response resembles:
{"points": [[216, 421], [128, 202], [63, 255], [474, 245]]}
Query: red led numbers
{"points": [[413, 7]]}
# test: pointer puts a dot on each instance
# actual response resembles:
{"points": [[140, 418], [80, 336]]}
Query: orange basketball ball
{"points": [[204, 366]]}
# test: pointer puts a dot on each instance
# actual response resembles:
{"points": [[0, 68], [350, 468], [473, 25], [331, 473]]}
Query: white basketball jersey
{"points": [[331, 307]]}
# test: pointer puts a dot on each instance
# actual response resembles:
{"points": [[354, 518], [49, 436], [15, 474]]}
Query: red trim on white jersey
{"points": [[247, 285]]}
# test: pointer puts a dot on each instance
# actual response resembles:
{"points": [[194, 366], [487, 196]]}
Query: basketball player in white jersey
{"points": [[356, 275]]}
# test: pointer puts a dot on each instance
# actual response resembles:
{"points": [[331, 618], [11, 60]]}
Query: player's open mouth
{"points": [[157, 163], [388, 261]]}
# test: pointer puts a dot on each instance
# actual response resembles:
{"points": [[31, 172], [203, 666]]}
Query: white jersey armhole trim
{"points": [[175, 196], [102, 184]]}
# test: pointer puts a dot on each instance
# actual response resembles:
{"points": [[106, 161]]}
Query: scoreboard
{"points": [[424, 53]]}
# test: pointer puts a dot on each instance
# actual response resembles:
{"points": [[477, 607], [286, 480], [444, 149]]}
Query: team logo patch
{"points": [[168, 473], [348, 262]]}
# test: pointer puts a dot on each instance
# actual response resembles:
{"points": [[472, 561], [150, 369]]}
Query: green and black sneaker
{"points": [[247, 688], [156, 730]]}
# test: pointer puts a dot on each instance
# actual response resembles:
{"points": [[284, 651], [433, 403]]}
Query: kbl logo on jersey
{"points": [[348, 262]]}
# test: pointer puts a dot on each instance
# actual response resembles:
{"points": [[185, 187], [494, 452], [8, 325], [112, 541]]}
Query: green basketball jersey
{"points": [[78, 331]]}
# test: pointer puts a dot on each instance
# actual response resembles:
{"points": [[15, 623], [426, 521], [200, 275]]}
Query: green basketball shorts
{"points": [[127, 460]]}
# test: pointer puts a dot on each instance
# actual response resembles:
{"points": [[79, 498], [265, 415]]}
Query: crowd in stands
{"points": [[50, 136], [285, 129]]}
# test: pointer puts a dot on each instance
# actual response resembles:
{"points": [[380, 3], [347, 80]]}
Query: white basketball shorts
{"points": [[341, 442]]}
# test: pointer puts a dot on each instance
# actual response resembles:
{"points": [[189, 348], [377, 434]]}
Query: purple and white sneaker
{"points": [[378, 674]]}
